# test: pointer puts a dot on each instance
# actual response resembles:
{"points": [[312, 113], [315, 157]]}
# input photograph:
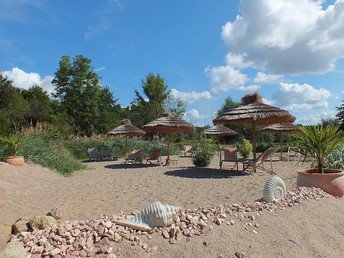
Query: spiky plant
{"points": [[319, 142], [13, 143]]}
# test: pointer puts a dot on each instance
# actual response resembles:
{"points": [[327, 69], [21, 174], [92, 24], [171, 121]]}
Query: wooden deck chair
{"points": [[188, 149], [230, 155], [105, 154], [93, 154], [134, 157], [155, 155], [259, 162]]}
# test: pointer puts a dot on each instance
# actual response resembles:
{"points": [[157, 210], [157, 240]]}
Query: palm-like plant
{"points": [[319, 142], [13, 143]]}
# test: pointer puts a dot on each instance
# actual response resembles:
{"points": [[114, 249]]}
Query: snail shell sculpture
{"points": [[274, 189], [155, 214]]}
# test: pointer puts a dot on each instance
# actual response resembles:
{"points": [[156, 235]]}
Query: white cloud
{"points": [[194, 117], [287, 37], [237, 61], [312, 119], [225, 78], [264, 78], [295, 97], [190, 97], [249, 88], [24, 80]]}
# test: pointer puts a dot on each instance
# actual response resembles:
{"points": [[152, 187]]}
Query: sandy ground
{"points": [[111, 187]]}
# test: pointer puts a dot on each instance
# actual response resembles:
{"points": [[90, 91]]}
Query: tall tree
{"points": [[80, 95], [228, 105], [175, 106], [340, 115]]}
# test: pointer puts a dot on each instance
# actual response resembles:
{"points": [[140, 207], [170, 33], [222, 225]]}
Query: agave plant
{"points": [[13, 143], [319, 142]]}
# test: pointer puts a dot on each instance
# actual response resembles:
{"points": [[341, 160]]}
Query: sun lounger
{"points": [[94, 154], [134, 158], [155, 155], [105, 154], [188, 149], [253, 165], [230, 155]]}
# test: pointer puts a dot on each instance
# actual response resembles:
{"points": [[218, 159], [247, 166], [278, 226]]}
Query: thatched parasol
{"points": [[168, 124], [280, 129], [218, 131], [126, 129], [255, 113]]}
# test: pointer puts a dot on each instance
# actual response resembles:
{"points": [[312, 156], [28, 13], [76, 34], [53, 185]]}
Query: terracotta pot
{"points": [[15, 160], [332, 181]]}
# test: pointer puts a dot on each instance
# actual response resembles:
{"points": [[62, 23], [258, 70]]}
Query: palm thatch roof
{"points": [[254, 111], [168, 124], [127, 129], [280, 128], [219, 130]]}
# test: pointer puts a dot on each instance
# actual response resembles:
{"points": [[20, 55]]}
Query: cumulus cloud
{"points": [[190, 97], [312, 119], [295, 97], [24, 80], [287, 37], [249, 88], [264, 78], [225, 78], [194, 117], [238, 61]]}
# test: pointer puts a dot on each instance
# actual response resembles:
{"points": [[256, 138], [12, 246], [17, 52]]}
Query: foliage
{"points": [[245, 149], [340, 115], [12, 143], [228, 105], [319, 142], [48, 151], [336, 158], [202, 159], [89, 107], [175, 106]]}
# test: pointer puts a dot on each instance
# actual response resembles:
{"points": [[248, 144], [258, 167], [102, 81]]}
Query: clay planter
{"points": [[15, 160], [332, 181]]}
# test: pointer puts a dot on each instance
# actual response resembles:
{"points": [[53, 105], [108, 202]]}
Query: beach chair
{"points": [[105, 154], [94, 154], [188, 149], [258, 163], [155, 155], [230, 155], [134, 158]]}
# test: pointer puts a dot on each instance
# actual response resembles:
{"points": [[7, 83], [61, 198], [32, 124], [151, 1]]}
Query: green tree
{"points": [[13, 107], [340, 115], [81, 97], [228, 105], [40, 105], [175, 106]]}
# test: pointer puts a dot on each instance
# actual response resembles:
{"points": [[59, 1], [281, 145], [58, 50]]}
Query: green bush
{"points": [[202, 159], [336, 158], [48, 151], [245, 149]]}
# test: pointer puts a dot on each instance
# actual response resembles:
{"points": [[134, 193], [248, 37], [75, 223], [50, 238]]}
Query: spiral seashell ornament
{"points": [[155, 214], [274, 189]]}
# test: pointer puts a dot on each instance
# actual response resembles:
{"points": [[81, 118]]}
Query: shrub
{"points": [[336, 158], [13, 143], [245, 149], [202, 159], [48, 151]]}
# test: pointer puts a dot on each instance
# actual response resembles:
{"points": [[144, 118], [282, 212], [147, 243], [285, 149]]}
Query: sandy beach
{"points": [[111, 187]]}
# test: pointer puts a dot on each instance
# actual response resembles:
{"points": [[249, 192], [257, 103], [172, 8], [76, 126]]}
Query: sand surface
{"points": [[308, 230]]}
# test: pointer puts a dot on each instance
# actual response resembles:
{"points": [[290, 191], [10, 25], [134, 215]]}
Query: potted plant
{"points": [[13, 143], [245, 149], [319, 142]]}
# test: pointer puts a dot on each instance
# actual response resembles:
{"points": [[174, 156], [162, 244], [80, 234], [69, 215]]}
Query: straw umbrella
{"points": [[218, 131], [280, 129], [126, 129], [255, 113], [168, 124]]}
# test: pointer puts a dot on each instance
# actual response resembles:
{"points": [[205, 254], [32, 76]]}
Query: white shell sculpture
{"points": [[155, 214], [274, 189]]}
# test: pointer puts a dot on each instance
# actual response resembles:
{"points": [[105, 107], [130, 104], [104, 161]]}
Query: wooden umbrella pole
{"points": [[254, 140], [168, 149], [218, 143], [126, 146]]}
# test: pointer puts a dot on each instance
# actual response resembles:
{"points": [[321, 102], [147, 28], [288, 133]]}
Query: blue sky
{"points": [[290, 51]]}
